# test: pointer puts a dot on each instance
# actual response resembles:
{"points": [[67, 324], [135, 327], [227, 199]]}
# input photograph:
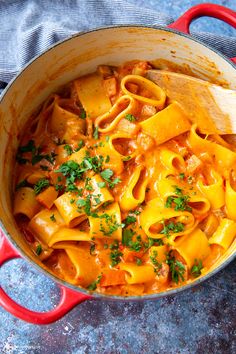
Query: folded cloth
{"points": [[28, 27]]}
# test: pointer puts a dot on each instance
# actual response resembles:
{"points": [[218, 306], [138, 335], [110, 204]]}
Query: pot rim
{"points": [[96, 295]]}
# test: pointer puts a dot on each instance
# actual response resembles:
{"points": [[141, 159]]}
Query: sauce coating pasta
{"points": [[115, 189]]}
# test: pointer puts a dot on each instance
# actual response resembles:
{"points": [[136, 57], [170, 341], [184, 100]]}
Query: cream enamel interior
{"points": [[77, 56]]}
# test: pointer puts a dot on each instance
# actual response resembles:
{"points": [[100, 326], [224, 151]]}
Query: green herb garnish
{"points": [[196, 268], [39, 249], [177, 269], [130, 117], [41, 185], [93, 285]]}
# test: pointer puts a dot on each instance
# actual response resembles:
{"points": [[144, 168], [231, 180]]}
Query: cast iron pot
{"points": [[62, 63]]}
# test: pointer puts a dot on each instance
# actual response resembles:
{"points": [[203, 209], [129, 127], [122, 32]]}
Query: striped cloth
{"points": [[28, 27]]}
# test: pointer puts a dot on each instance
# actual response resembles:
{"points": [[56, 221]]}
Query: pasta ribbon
{"points": [[214, 192], [138, 274], [107, 223], [155, 215], [134, 193], [221, 156], [224, 234], [166, 124], [112, 119], [92, 95], [193, 246], [25, 203], [156, 94]]}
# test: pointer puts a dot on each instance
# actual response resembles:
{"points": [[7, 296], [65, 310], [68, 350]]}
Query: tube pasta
{"points": [[92, 95], [107, 223], [154, 214], [68, 210], [222, 156], [158, 96], [84, 264], [112, 119], [25, 202], [43, 226], [134, 193], [193, 246], [197, 202], [166, 124], [47, 197], [138, 274], [214, 192], [172, 161], [224, 234], [132, 150]]}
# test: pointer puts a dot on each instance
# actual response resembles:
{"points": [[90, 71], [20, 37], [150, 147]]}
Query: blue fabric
{"points": [[30, 27]]}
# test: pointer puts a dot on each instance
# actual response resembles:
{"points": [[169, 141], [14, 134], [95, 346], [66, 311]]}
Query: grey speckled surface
{"points": [[201, 320]]}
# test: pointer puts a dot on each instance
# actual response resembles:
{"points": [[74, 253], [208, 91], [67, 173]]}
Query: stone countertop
{"points": [[200, 320]]}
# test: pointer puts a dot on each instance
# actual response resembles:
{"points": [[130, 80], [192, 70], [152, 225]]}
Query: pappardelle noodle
{"points": [[117, 191]]}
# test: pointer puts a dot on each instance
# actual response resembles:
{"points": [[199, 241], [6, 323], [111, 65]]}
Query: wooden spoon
{"points": [[211, 107]]}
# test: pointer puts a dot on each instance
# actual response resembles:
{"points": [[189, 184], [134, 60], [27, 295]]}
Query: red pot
{"points": [[65, 61]]}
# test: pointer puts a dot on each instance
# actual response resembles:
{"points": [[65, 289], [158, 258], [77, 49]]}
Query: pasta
{"points": [[117, 192]]}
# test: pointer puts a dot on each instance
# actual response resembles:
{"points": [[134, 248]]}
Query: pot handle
{"points": [[69, 298], [207, 9]]}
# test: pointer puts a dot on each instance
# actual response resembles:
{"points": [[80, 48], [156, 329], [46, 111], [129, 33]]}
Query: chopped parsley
{"points": [[82, 114], [181, 175], [177, 269], [127, 158], [109, 225], [107, 174], [80, 145], [130, 219], [155, 262], [130, 117], [95, 133], [101, 184], [92, 249], [172, 227], [41, 185], [93, 285], [68, 149], [196, 268], [52, 217], [179, 202], [39, 249], [74, 171], [115, 257], [139, 261], [36, 155]]}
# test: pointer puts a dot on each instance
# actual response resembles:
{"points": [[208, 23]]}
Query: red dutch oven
{"points": [[65, 61]]}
